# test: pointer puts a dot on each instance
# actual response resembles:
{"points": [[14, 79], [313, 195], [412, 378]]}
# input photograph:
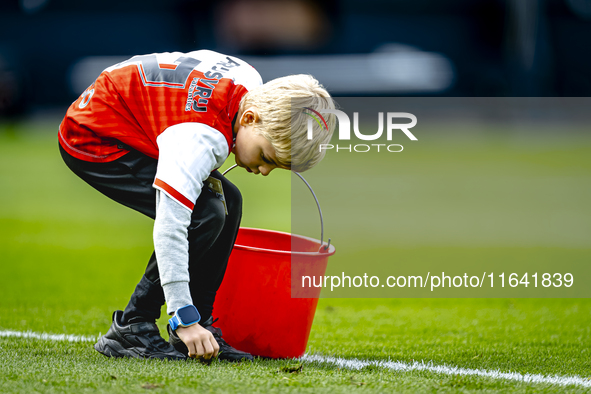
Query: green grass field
{"points": [[70, 256]]}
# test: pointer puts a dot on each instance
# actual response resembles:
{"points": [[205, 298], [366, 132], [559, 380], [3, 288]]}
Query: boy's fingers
{"points": [[200, 351], [200, 345], [208, 350], [192, 352]]}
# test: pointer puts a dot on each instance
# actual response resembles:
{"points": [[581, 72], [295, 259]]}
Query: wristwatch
{"points": [[184, 316]]}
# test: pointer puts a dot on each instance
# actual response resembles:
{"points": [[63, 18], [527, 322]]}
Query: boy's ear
{"points": [[250, 116]]}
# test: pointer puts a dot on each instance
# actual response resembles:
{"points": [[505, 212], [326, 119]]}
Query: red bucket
{"points": [[254, 304]]}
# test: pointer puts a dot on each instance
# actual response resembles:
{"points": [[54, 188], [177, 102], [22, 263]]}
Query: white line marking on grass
{"points": [[359, 364], [448, 370], [47, 337]]}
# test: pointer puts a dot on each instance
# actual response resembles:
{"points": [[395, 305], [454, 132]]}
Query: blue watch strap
{"points": [[174, 322]]}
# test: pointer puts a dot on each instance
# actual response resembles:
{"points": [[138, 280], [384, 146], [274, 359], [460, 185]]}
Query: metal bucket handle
{"points": [[317, 204]]}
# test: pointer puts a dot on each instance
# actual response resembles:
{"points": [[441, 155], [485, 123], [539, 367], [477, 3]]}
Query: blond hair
{"points": [[284, 107]]}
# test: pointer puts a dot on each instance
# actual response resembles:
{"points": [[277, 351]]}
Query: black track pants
{"points": [[128, 180]]}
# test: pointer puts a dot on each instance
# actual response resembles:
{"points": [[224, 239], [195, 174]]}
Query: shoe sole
{"points": [[112, 348], [234, 358]]}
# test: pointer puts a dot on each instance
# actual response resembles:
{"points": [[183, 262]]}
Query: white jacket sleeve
{"points": [[189, 152], [172, 250]]}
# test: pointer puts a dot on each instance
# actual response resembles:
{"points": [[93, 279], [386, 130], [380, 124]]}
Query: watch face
{"points": [[188, 314]]}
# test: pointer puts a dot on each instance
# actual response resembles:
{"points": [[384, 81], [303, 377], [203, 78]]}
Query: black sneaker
{"points": [[138, 340], [226, 352]]}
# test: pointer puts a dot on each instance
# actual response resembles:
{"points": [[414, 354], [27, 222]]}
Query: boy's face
{"points": [[251, 150]]}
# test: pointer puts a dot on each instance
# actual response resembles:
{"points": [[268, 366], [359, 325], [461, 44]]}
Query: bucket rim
{"points": [[330, 252]]}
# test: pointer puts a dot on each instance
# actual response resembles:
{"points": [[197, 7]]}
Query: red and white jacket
{"points": [[177, 108]]}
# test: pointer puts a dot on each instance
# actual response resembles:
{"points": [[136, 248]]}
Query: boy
{"points": [[148, 133]]}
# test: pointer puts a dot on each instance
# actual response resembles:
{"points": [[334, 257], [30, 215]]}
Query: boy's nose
{"points": [[264, 171]]}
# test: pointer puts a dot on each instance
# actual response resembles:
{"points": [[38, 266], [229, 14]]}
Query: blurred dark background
{"points": [[50, 50]]}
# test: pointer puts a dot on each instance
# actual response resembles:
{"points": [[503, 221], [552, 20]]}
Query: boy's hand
{"points": [[199, 341]]}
